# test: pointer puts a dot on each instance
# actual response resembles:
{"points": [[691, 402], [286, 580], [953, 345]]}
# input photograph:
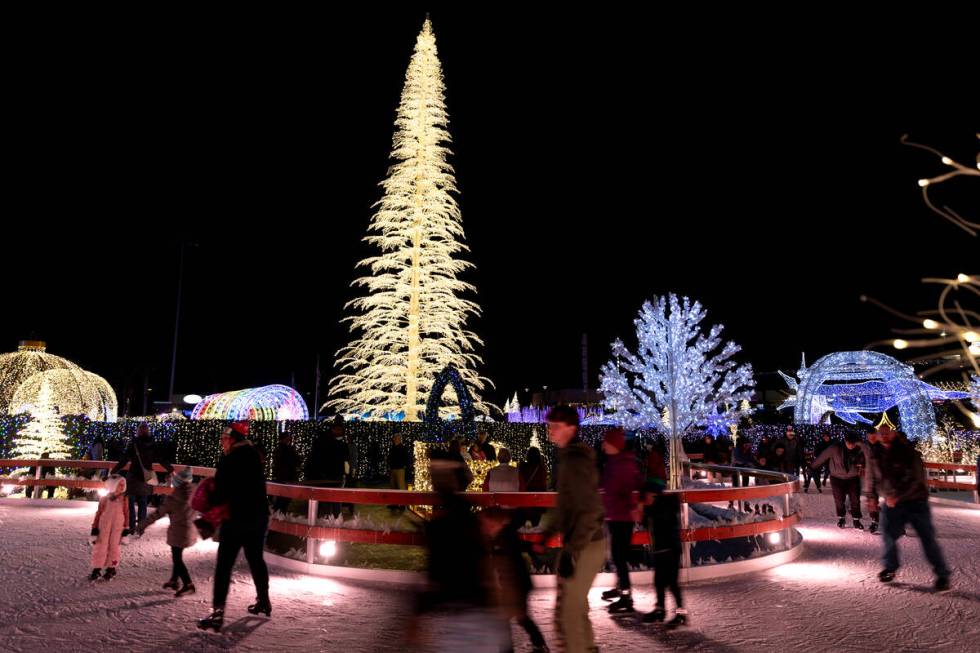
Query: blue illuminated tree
{"points": [[679, 377]]}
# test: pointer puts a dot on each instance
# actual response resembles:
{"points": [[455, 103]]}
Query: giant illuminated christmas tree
{"points": [[411, 323], [45, 431]]}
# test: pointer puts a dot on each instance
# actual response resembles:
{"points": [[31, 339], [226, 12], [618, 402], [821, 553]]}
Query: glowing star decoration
{"points": [[411, 324], [45, 432], [677, 373], [850, 383], [267, 403]]}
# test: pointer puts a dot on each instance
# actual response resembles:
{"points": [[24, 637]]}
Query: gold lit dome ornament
{"points": [[72, 391]]}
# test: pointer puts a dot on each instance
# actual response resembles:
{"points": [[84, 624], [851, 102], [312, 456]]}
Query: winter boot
{"points": [[624, 604], [109, 574], [858, 525], [186, 589], [886, 576], [609, 595], [840, 523], [95, 574], [656, 616], [873, 528], [260, 606], [213, 621], [170, 584], [680, 618], [942, 585]]}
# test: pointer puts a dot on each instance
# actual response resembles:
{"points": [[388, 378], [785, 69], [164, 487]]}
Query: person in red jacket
{"points": [[621, 483]]}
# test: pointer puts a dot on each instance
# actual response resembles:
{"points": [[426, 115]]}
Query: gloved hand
{"points": [[95, 532], [566, 565], [125, 532]]}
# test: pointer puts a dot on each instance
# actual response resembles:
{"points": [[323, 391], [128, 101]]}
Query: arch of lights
{"points": [[267, 403], [850, 383]]}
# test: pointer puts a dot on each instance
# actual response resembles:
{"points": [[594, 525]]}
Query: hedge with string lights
{"points": [[196, 442]]}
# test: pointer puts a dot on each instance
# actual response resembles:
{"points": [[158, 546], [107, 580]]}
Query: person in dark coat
{"points": [[488, 451], [823, 475], [45, 472], [327, 464], [663, 513], [239, 483], [285, 468], [899, 476], [793, 451], [457, 589], [621, 481], [579, 519], [533, 477], [509, 573], [181, 532], [141, 454]]}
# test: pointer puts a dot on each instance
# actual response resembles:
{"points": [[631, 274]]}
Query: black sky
{"points": [[602, 157]]}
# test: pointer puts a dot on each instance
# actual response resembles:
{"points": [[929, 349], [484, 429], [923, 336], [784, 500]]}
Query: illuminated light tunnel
{"points": [[268, 403]]}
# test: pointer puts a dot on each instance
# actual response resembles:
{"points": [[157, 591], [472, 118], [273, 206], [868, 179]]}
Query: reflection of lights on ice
{"points": [[812, 572], [774, 537], [328, 549]]}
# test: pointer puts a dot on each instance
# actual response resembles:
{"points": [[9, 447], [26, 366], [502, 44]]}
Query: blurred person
{"points": [[181, 533], [663, 510], [899, 476], [580, 523], [846, 464], [621, 483], [503, 477], [140, 455], [285, 468]]}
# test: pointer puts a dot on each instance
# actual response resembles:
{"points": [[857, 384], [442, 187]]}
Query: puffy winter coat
{"points": [[239, 482], [621, 477], [181, 531], [897, 473]]}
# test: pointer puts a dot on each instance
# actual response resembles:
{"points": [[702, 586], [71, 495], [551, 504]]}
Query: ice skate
{"points": [[186, 589], [261, 606], [624, 604], [609, 595], [95, 575], [886, 576], [213, 621], [680, 619], [657, 616], [858, 525]]}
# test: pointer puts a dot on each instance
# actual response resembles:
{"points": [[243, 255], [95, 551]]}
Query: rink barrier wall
{"points": [[778, 485]]}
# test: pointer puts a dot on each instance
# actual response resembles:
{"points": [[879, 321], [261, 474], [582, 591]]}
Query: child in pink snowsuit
{"points": [[110, 525]]}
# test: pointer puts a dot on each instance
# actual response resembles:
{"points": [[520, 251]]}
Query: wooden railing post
{"points": [[685, 545], [311, 511]]}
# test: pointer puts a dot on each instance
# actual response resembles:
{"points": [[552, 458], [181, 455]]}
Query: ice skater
{"points": [[110, 525], [663, 513], [899, 476], [181, 532]]}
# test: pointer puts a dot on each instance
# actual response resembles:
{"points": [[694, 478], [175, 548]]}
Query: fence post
{"points": [[311, 510], [788, 533], [685, 545]]}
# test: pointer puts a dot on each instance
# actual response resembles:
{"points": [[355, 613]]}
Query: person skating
{"points": [[511, 578], [181, 532], [792, 451], [621, 480], [239, 482], [110, 525], [663, 518], [823, 474], [899, 476], [579, 520], [285, 468], [846, 463], [872, 501], [140, 455]]}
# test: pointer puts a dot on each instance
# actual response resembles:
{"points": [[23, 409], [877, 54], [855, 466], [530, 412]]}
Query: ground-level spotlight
{"points": [[9, 489], [328, 549], [102, 492], [774, 537]]}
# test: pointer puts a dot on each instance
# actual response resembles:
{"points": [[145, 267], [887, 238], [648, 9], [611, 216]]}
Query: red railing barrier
{"points": [[315, 495]]}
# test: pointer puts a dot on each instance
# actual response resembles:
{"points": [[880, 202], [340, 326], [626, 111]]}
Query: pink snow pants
{"points": [[105, 553]]}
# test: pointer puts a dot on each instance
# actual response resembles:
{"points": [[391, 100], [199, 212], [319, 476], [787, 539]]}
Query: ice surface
{"points": [[829, 599]]}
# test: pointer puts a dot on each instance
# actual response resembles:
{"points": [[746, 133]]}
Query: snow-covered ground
{"points": [[829, 599]]}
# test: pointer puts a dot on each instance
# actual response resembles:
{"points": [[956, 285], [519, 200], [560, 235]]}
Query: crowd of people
{"points": [[478, 575]]}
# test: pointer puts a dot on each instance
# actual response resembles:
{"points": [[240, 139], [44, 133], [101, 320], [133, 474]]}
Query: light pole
{"points": [[180, 289]]}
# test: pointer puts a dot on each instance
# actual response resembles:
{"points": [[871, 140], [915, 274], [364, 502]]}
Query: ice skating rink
{"points": [[828, 600]]}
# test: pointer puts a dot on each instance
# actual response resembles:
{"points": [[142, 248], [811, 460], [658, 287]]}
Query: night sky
{"points": [[598, 165]]}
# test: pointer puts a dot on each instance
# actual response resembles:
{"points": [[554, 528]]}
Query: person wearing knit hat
{"points": [[182, 477], [181, 532], [621, 483], [239, 483]]}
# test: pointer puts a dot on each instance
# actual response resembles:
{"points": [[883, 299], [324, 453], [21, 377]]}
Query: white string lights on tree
{"points": [[678, 378], [45, 432], [411, 324]]}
